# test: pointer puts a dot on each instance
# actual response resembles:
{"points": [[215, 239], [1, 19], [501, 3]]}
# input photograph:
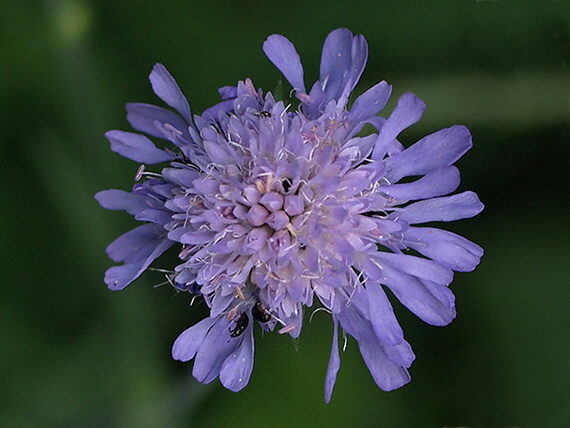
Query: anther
{"points": [[287, 329], [140, 172]]}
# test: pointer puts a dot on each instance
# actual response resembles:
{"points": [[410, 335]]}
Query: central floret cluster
{"points": [[273, 207], [272, 216]]}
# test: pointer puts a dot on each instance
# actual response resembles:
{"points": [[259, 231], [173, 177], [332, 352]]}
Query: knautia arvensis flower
{"points": [[275, 209]]}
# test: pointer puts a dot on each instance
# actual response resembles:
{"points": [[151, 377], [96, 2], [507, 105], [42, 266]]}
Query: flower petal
{"points": [[115, 199], [387, 374], [447, 248], [187, 344], [448, 208], [183, 177], [382, 316], [154, 216], [417, 266], [216, 347], [156, 121], [218, 154], [342, 62], [414, 295], [137, 147], [334, 364], [408, 111], [237, 367], [357, 150], [282, 53], [335, 60], [118, 277], [442, 148], [370, 103], [439, 182], [212, 113], [135, 244], [359, 57], [401, 354], [227, 92], [164, 85]]}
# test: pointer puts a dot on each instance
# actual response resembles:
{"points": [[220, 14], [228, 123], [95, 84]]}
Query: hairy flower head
{"points": [[275, 210]]}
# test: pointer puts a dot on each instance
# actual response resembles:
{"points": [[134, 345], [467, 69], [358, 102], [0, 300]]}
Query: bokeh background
{"points": [[74, 354]]}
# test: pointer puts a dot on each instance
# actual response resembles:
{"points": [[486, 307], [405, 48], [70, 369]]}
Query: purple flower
{"points": [[274, 210]]}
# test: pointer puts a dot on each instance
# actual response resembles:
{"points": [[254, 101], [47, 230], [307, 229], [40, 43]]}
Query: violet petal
{"points": [[137, 147], [382, 316], [187, 344], [446, 248], [334, 364], [237, 367], [417, 297], [439, 182], [164, 85], [437, 150], [447, 208], [115, 199], [118, 277], [282, 53], [370, 103]]}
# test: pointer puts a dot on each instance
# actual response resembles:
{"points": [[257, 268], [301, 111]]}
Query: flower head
{"points": [[275, 210]]}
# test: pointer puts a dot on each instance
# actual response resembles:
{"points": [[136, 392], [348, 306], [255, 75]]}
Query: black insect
{"points": [[260, 313], [286, 182], [241, 325], [263, 113]]}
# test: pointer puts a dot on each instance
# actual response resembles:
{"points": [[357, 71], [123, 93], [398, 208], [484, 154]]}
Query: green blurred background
{"points": [[73, 354]]}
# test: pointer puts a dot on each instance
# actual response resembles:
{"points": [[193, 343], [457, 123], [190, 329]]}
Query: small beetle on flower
{"points": [[276, 210]]}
